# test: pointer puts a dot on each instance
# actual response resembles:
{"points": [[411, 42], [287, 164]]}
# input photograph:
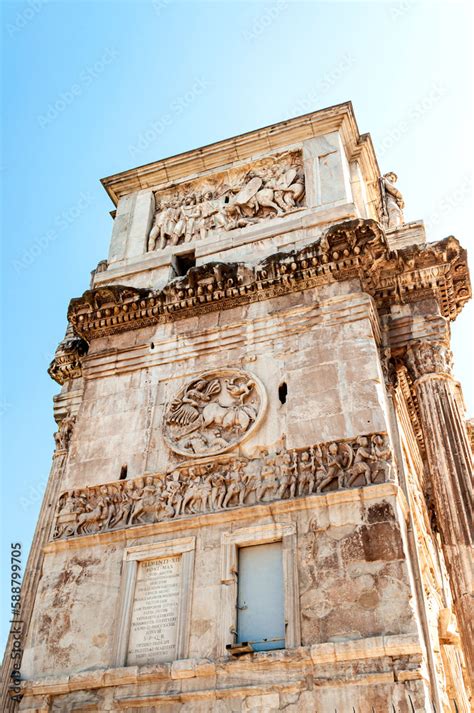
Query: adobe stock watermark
{"points": [[17, 623], [62, 221], [24, 16], [156, 128], [5, 406], [33, 494], [87, 76], [160, 5], [265, 20], [417, 112], [330, 78], [450, 201], [401, 8]]}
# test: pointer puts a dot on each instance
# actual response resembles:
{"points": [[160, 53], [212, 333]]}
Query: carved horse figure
{"points": [[228, 411], [87, 521], [227, 417], [196, 496], [252, 197], [149, 503]]}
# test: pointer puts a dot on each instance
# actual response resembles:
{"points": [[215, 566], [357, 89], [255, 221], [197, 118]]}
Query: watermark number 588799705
{"points": [[16, 622]]}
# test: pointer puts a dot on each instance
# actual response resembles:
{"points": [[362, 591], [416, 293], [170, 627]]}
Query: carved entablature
{"points": [[232, 199], [423, 357], [355, 249], [214, 412], [67, 358], [216, 484], [421, 271]]}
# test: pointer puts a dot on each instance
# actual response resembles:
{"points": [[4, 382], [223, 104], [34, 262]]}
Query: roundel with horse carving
{"points": [[214, 412]]}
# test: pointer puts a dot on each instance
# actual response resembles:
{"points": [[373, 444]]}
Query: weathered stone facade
{"points": [[264, 357]]}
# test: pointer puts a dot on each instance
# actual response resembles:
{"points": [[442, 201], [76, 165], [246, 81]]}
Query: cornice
{"points": [[354, 249], [396, 646], [246, 146]]}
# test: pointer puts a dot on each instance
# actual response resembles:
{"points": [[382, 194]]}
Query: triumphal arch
{"points": [[260, 491]]}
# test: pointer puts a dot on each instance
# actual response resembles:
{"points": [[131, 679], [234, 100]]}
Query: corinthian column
{"points": [[450, 466]]}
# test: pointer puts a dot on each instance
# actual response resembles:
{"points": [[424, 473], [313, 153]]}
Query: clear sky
{"points": [[93, 88]]}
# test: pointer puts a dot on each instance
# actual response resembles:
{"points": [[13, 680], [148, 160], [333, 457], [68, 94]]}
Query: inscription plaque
{"points": [[155, 611]]}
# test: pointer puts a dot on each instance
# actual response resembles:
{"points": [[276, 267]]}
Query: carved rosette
{"points": [[423, 358], [214, 412]]}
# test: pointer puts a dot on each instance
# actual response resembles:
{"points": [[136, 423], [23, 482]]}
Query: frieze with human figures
{"points": [[268, 188], [222, 483]]}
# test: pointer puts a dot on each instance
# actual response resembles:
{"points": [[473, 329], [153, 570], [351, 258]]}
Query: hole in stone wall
{"points": [[152, 345], [123, 472], [283, 392], [182, 263]]}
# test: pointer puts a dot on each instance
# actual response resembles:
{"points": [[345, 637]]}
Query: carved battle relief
{"points": [[214, 412], [214, 484], [234, 199]]}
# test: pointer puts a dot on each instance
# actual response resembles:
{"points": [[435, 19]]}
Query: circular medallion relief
{"points": [[214, 412]]}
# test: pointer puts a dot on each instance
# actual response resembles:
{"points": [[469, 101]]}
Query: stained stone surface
{"points": [[353, 580], [294, 385]]}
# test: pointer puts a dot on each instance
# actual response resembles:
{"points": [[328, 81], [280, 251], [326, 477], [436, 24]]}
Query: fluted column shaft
{"points": [[450, 466]]}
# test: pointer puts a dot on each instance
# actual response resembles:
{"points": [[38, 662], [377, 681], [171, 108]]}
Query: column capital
{"points": [[426, 358], [67, 362]]}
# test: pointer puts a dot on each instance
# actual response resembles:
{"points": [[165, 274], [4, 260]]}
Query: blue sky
{"points": [[93, 88]]}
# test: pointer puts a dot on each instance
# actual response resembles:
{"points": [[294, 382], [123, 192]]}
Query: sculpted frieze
{"points": [[224, 482], [214, 412], [239, 197]]}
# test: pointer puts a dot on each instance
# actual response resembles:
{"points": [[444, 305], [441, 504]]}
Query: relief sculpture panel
{"points": [[220, 483], [214, 412], [234, 199]]}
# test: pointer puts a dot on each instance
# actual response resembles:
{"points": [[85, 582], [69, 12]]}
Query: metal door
{"points": [[261, 605]]}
